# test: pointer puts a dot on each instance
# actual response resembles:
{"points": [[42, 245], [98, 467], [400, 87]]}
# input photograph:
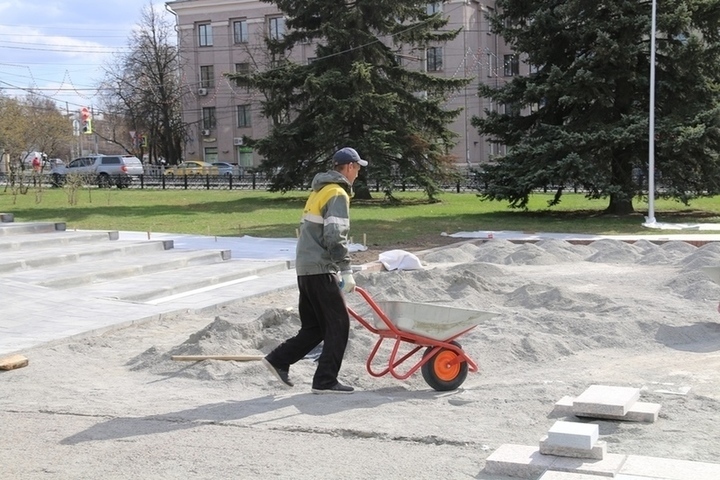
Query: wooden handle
{"points": [[235, 358]]}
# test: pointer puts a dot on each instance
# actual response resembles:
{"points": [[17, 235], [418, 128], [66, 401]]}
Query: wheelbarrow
{"points": [[434, 328]]}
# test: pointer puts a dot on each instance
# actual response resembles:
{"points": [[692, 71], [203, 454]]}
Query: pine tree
{"points": [[581, 121], [357, 93]]}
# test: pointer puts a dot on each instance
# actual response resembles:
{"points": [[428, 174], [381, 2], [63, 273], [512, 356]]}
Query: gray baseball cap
{"points": [[348, 155]]}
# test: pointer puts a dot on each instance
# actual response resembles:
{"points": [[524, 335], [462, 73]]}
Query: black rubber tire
{"points": [[58, 180], [438, 363], [104, 181]]}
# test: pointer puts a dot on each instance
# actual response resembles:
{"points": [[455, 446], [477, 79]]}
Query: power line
{"points": [[49, 48]]}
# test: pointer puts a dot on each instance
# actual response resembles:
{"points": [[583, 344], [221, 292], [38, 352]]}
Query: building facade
{"points": [[227, 36]]}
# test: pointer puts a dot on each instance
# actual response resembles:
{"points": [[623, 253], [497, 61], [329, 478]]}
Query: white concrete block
{"points": [[573, 435], [605, 400]]}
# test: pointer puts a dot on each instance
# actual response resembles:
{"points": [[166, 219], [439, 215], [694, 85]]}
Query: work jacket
{"points": [[322, 244]]}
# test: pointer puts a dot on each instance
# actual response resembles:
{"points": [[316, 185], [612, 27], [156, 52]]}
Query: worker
{"points": [[323, 274]]}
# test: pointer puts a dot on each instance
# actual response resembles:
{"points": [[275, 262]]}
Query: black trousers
{"points": [[323, 317]]}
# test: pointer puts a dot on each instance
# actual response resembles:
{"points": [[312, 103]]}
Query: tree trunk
{"points": [[361, 190], [621, 201], [620, 204]]}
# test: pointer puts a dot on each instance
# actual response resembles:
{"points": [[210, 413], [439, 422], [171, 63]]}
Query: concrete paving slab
{"points": [[527, 462], [639, 412], [19, 228], [669, 469], [149, 286], [32, 241], [71, 254], [620, 476], [605, 400], [57, 284], [609, 466], [597, 452], [552, 475], [519, 461], [56, 317], [61, 277]]}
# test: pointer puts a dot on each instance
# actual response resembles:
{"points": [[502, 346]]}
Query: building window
{"points": [[512, 65], [276, 28], [434, 7], [240, 31], [243, 69], [434, 59], [512, 109], [245, 156], [278, 63], [207, 76], [243, 116], [211, 154], [209, 120], [492, 65], [205, 35]]}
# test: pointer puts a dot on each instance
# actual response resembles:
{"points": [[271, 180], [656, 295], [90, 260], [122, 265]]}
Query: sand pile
{"points": [[553, 300]]}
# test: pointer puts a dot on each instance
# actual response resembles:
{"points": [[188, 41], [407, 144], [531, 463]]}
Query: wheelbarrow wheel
{"points": [[441, 372]]}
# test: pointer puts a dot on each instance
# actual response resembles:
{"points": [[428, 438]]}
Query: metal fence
{"points": [[154, 179]]}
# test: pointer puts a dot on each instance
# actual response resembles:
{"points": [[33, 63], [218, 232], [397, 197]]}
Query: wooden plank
{"points": [[235, 358], [13, 361]]}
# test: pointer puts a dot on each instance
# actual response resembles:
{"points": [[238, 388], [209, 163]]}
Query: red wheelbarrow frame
{"points": [[400, 336]]}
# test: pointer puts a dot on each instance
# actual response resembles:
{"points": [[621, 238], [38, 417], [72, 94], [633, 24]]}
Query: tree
{"points": [[33, 123], [582, 119], [49, 131], [356, 93], [145, 94]]}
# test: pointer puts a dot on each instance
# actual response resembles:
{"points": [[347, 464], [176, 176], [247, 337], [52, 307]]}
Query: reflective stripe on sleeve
{"points": [[309, 217], [343, 222]]}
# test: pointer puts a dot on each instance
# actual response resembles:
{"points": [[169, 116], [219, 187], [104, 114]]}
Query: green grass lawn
{"points": [[264, 214]]}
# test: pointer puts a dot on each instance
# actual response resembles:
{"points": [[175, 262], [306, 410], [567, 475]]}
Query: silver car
{"points": [[225, 169], [104, 170]]}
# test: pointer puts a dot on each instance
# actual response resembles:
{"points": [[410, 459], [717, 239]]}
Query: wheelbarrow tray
{"points": [[437, 322]]}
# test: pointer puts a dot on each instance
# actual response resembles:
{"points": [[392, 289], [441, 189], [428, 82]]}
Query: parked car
{"points": [[53, 164], [105, 170], [225, 169], [192, 167]]}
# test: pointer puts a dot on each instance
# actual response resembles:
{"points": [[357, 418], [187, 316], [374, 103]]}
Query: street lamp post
{"points": [[650, 219]]}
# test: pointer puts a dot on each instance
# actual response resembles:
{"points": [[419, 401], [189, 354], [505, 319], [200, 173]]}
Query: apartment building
{"points": [[226, 36]]}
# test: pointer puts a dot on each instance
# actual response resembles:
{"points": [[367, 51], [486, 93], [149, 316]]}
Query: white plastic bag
{"points": [[400, 260]]}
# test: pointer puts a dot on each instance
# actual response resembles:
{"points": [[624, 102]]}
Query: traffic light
{"points": [[85, 120]]}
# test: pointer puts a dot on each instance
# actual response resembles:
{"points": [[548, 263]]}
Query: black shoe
{"points": [[280, 374], [337, 388]]}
